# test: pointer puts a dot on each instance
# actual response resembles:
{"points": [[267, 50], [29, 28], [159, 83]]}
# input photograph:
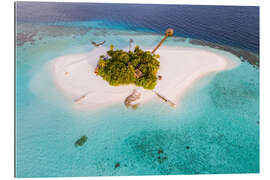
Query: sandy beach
{"points": [[179, 67]]}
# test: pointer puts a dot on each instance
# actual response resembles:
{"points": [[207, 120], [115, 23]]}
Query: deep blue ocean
{"points": [[216, 129], [230, 25]]}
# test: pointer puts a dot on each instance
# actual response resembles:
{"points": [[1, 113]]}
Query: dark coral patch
{"points": [[117, 165]]}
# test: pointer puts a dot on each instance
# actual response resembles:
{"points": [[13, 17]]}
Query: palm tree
{"points": [[102, 63]]}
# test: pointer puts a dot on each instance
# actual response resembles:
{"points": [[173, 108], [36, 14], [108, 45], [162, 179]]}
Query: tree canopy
{"points": [[133, 67]]}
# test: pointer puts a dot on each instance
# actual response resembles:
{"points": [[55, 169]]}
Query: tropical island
{"points": [[133, 67], [106, 76]]}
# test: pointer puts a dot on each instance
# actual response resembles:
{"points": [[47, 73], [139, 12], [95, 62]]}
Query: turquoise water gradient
{"points": [[215, 130]]}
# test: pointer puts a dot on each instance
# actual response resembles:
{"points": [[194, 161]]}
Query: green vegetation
{"points": [[133, 67], [81, 141]]}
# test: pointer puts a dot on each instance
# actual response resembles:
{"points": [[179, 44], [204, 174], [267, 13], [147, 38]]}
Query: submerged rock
{"points": [[160, 151], [117, 165], [81, 141], [161, 160]]}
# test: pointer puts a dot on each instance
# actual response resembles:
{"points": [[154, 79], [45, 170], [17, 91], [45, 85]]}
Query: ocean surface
{"points": [[215, 130]]}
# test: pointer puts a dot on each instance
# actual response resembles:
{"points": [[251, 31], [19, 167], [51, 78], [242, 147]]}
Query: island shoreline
{"points": [[195, 63]]}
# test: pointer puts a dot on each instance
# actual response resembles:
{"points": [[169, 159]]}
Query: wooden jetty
{"points": [[165, 100], [168, 32]]}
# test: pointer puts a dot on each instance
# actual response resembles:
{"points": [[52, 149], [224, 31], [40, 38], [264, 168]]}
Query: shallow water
{"points": [[215, 130]]}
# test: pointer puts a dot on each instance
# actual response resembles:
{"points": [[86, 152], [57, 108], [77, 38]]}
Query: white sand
{"points": [[179, 68]]}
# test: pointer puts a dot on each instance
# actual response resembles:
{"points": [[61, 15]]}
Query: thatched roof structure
{"points": [[138, 73]]}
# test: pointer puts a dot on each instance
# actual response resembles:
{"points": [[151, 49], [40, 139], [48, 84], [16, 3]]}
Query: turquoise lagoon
{"points": [[215, 130]]}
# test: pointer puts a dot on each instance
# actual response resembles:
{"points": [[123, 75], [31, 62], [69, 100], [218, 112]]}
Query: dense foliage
{"points": [[120, 66]]}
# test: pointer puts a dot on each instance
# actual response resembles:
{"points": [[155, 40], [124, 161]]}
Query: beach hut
{"points": [[138, 73]]}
